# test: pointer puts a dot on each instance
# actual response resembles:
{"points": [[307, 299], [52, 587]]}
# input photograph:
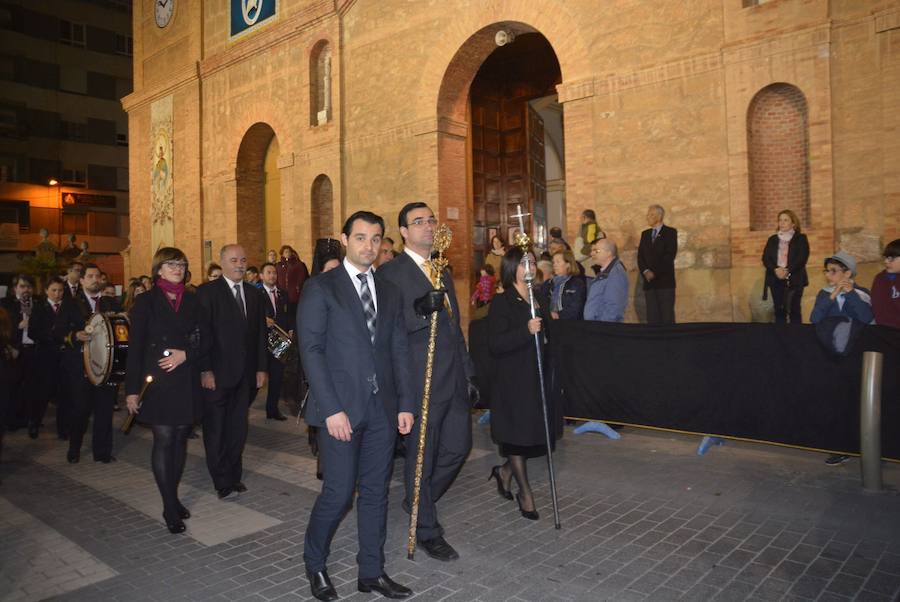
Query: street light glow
{"points": [[52, 182]]}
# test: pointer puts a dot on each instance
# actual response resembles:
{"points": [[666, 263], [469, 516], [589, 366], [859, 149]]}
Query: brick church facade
{"points": [[269, 122]]}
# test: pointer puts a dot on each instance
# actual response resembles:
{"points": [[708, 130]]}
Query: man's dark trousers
{"points": [[225, 431], [366, 457], [273, 394], [447, 446], [660, 305], [87, 400]]}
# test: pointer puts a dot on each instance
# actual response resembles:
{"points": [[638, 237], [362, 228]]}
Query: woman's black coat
{"points": [[516, 414], [171, 399], [798, 255]]}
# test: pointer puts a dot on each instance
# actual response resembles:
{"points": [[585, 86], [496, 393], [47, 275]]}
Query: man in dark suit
{"points": [[656, 262], [45, 383], [449, 432], [73, 279], [19, 306], [234, 368], [276, 313], [353, 346], [85, 398]]}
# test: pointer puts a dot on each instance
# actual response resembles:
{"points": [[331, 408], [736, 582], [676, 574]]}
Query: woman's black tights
{"points": [[518, 467], [169, 451]]}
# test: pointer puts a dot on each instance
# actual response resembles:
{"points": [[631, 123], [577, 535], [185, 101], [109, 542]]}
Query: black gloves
{"points": [[429, 303], [474, 393]]}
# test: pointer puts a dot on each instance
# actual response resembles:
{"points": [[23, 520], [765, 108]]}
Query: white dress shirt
{"points": [[370, 278]]}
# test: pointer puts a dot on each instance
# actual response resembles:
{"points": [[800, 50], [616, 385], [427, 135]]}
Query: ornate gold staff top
{"points": [[436, 265]]}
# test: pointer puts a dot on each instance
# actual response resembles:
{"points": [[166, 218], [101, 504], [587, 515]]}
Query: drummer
{"points": [[277, 313], [85, 398]]}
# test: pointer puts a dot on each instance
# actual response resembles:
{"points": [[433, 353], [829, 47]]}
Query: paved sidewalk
{"points": [[643, 518]]}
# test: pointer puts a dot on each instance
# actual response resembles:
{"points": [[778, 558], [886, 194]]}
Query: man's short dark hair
{"points": [[253, 269], [22, 278], [589, 213], [892, 249], [366, 216], [55, 280], [91, 266], [73, 264], [263, 267], [401, 217]]}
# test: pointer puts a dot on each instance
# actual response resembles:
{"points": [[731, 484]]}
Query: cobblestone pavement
{"points": [[643, 518]]}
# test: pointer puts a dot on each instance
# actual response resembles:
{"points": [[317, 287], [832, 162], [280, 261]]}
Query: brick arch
{"points": [[444, 94], [322, 208], [778, 155], [469, 39], [250, 188]]}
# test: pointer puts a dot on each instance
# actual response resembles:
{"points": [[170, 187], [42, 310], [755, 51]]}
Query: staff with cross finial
{"points": [[524, 242]]}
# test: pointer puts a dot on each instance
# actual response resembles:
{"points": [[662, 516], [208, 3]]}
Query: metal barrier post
{"points": [[870, 421]]}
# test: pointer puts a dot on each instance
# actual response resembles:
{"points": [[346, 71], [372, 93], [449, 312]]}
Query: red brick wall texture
{"points": [[778, 155]]}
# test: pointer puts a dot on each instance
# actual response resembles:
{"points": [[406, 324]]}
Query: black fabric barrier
{"points": [[764, 382]]}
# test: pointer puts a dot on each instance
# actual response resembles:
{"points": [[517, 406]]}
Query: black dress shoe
{"points": [[174, 525], [183, 513], [105, 459], [278, 417], [385, 586], [239, 487], [320, 585], [73, 457], [439, 549], [224, 492]]}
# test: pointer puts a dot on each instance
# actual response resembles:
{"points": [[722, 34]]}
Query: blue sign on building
{"points": [[245, 14]]}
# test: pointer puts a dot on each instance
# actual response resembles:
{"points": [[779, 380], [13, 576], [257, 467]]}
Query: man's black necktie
{"points": [[368, 305], [240, 299]]}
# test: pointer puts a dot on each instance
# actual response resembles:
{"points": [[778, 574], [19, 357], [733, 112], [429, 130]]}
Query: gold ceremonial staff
{"points": [[442, 238]]}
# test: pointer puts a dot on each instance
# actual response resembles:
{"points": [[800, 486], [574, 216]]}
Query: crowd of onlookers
{"points": [[585, 280]]}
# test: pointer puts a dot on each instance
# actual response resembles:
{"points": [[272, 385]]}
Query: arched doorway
{"points": [[478, 150], [258, 192], [511, 100]]}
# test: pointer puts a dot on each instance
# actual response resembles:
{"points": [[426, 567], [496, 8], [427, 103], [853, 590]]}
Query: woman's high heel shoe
{"points": [[529, 514], [174, 526], [183, 513], [495, 474]]}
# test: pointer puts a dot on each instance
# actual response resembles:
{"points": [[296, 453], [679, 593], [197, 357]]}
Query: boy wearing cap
{"points": [[842, 297]]}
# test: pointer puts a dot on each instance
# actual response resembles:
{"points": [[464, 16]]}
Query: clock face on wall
{"points": [[164, 9]]}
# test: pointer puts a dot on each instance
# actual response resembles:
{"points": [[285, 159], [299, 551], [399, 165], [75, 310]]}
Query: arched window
{"points": [[320, 84], [778, 155], [322, 204]]}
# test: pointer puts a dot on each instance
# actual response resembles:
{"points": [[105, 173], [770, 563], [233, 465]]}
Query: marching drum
{"points": [[106, 354], [279, 344]]}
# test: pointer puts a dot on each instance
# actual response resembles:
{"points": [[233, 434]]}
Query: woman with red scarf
{"points": [[165, 343]]}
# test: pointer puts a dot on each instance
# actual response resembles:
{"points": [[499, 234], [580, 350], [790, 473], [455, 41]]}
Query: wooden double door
{"points": [[508, 171]]}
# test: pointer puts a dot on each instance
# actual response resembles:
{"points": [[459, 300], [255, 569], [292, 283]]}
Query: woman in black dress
{"points": [[164, 343], [517, 423]]}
